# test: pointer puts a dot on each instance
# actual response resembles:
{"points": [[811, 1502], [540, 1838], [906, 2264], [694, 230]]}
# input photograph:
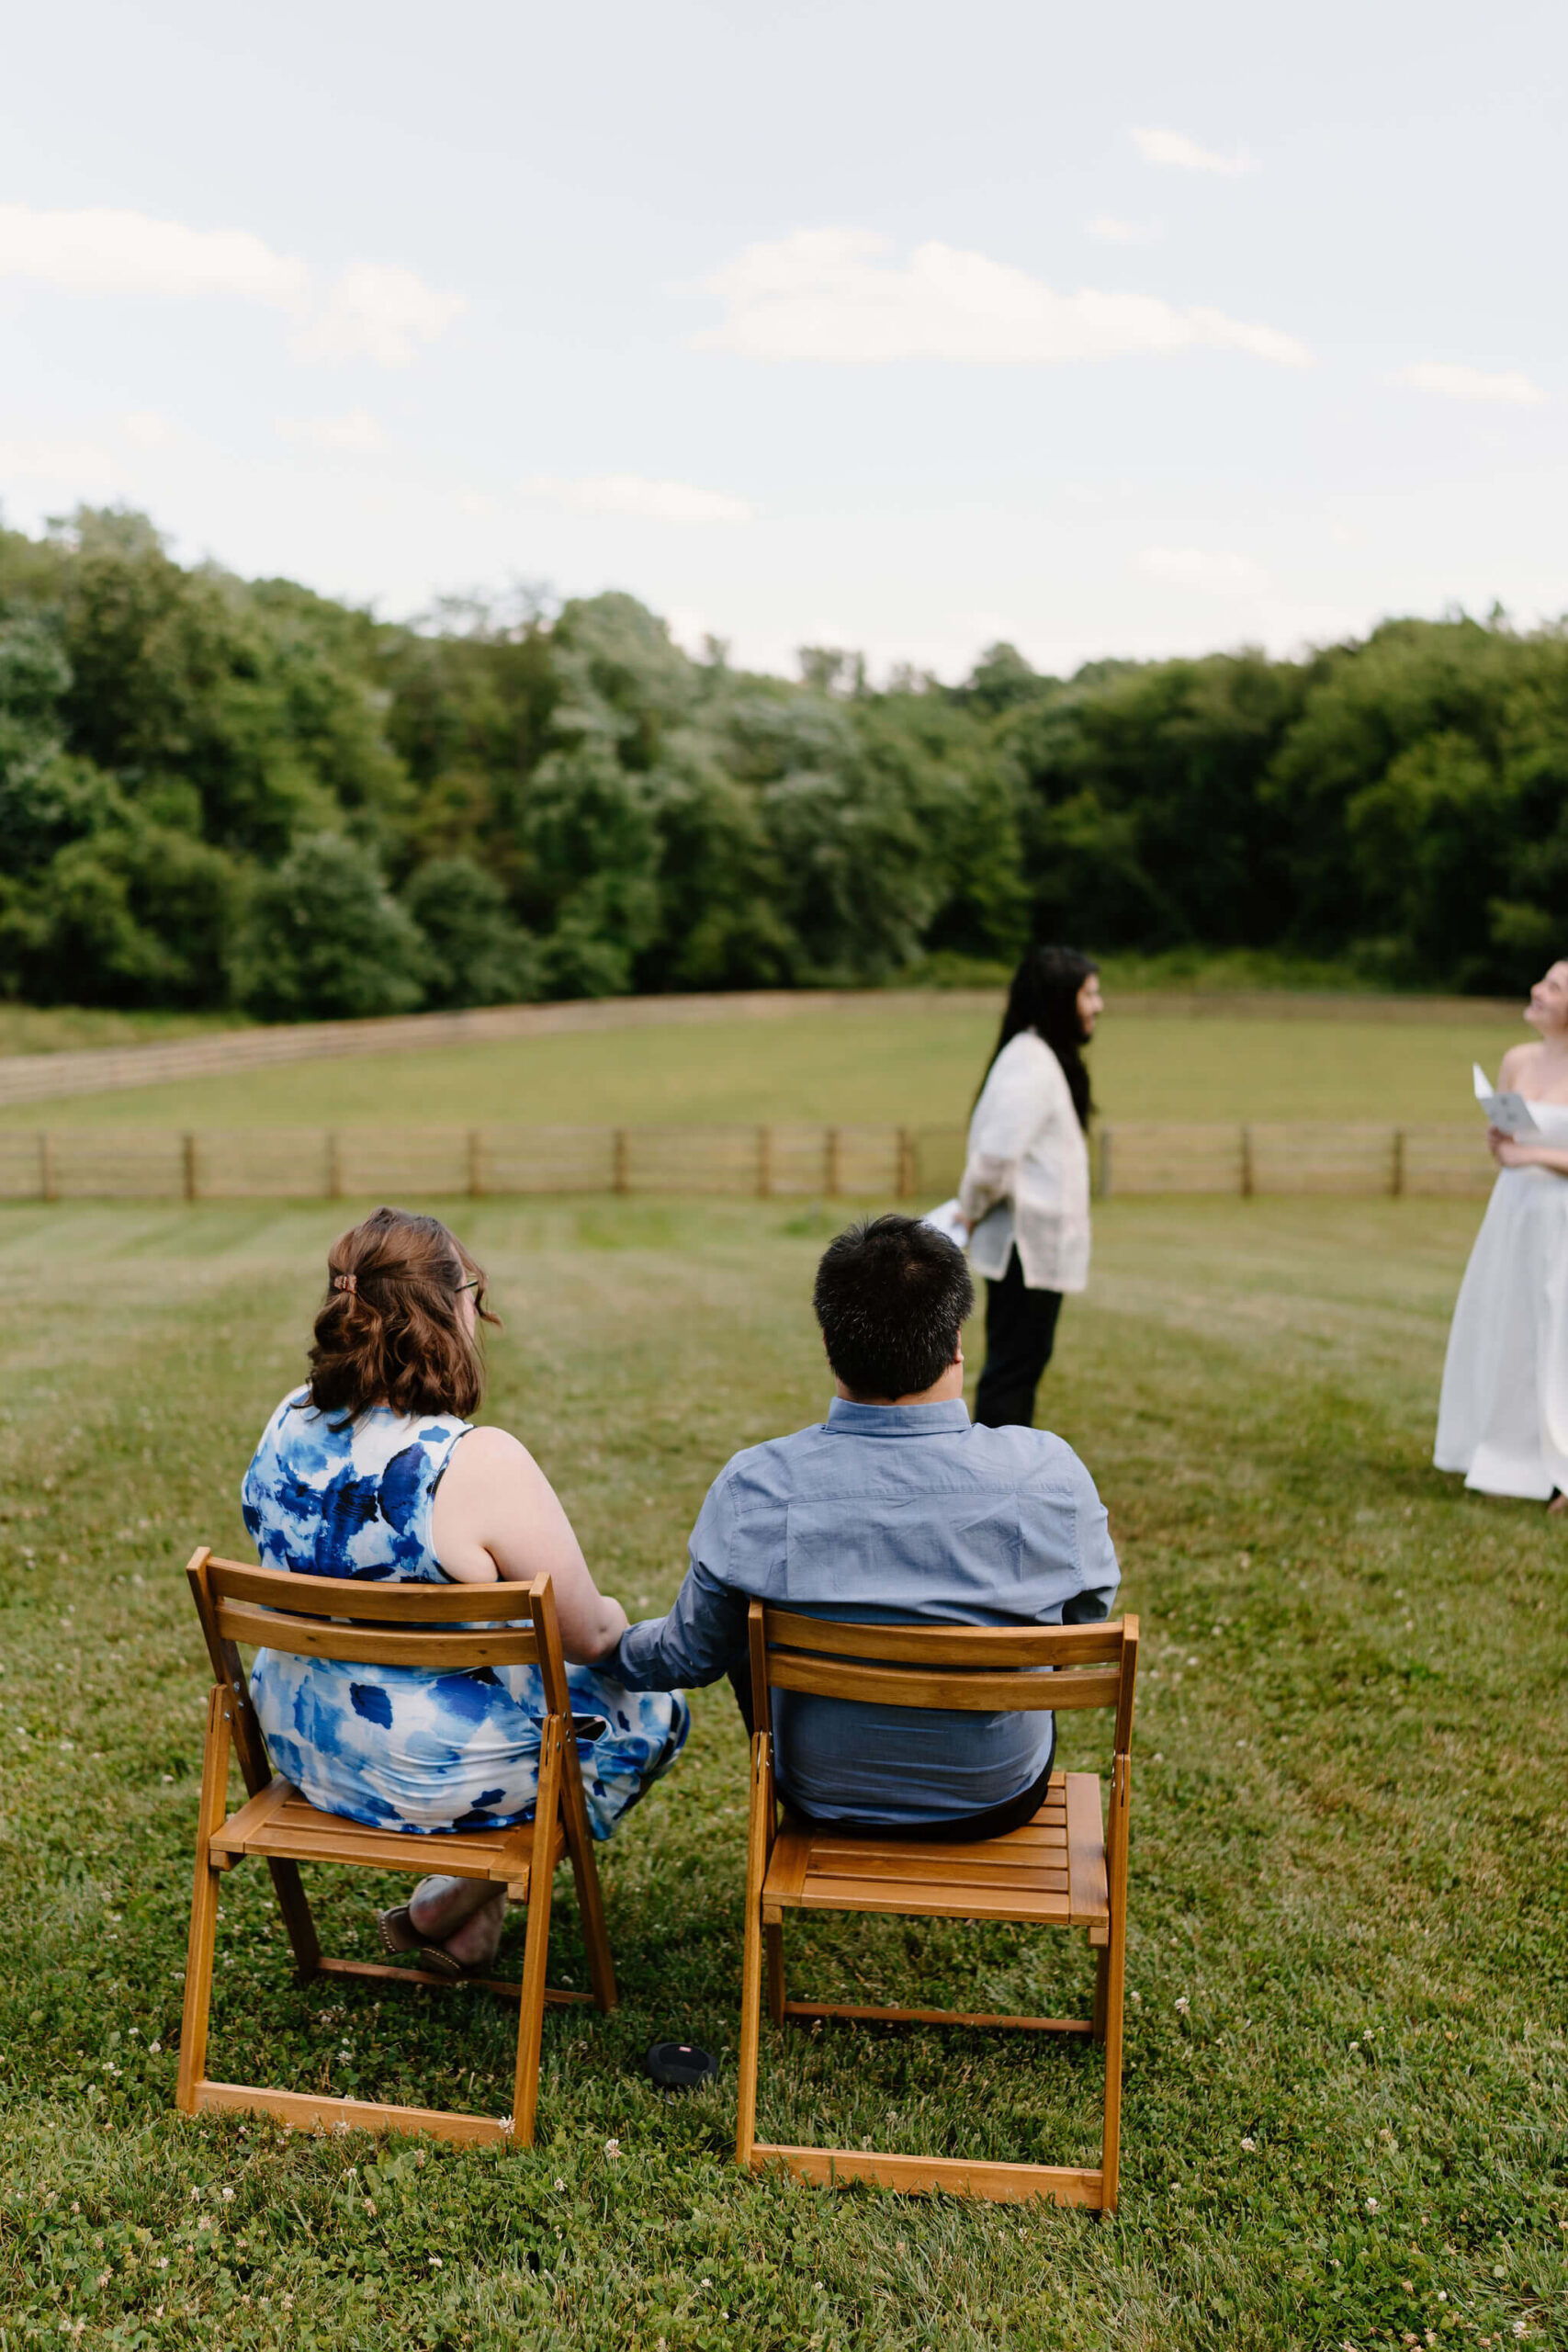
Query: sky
{"points": [[903, 328]]}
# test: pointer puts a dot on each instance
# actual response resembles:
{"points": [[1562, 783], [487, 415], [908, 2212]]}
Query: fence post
{"points": [[1397, 1179], [764, 1163], [335, 1167], [1247, 1173], [192, 1167], [48, 1179], [620, 1177], [476, 1165], [831, 1170], [906, 1164]]}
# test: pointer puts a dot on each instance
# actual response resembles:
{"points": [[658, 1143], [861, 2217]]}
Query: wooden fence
{"points": [[783, 1161]]}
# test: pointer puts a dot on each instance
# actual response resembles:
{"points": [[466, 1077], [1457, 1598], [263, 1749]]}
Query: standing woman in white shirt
{"points": [[1025, 1190]]}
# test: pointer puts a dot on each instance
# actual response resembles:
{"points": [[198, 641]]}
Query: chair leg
{"points": [[536, 1951], [773, 1940], [292, 1901], [751, 1960], [204, 1901], [585, 1872], [1102, 1988], [1115, 1973]]}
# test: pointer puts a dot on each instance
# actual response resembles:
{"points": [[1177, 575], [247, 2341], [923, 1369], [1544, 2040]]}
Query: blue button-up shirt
{"points": [[891, 1514]]}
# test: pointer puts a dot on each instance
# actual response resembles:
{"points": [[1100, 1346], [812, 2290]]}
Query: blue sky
{"points": [[904, 327]]}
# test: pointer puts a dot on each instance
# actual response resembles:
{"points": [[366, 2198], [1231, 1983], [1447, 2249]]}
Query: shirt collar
{"points": [[846, 1419]]}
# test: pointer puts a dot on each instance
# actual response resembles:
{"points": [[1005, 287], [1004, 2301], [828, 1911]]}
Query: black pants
{"points": [[965, 1828], [1020, 1328]]}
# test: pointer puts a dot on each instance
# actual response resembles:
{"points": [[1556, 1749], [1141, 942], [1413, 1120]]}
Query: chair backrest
{"points": [[451, 1627], [989, 1669]]}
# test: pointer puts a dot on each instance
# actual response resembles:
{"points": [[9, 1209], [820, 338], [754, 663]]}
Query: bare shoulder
{"points": [[487, 1445], [485, 1455], [1516, 1066]]}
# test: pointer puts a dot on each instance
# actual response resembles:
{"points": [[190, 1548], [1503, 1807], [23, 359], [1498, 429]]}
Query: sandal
{"points": [[399, 1936]]}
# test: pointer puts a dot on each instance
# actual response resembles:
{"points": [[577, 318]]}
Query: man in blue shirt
{"points": [[895, 1511]]}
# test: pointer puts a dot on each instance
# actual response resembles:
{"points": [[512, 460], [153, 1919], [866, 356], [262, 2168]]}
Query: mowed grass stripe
{"points": [[918, 1068], [1349, 1803]]}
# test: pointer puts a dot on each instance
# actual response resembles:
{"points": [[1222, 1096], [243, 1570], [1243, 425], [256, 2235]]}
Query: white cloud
{"points": [[355, 429], [1174, 148], [1125, 232], [77, 466], [148, 429], [104, 251], [378, 311], [375, 311], [831, 294], [1209, 571], [656, 502], [1508, 388]]}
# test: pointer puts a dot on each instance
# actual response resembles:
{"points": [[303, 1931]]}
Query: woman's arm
{"points": [[496, 1514], [1014, 1104], [1510, 1153]]}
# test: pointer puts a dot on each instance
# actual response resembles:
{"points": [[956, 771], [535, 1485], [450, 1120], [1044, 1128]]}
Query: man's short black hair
{"points": [[892, 1296]]}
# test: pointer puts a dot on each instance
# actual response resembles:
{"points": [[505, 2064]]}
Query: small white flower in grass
{"points": [[561, 2184], [1372, 2204], [436, 2263], [227, 2196], [1442, 2294], [1251, 2147], [1521, 2327], [612, 2147], [1182, 2005]]}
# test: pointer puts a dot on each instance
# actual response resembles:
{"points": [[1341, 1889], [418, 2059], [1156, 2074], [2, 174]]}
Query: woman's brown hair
{"points": [[390, 1328]]}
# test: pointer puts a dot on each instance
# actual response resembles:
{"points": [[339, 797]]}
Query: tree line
{"points": [[217, 792]]}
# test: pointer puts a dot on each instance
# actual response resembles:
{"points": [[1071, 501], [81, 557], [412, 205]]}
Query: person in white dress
{"points": [[1023, 1202], [1502, 1416]]}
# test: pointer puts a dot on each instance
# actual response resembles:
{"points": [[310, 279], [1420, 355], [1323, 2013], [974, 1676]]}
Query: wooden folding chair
{"points": [[1064, 1869], [393, 1625]]}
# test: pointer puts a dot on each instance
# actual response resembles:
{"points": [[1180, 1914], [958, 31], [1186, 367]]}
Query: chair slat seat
{"points": [[282, 1822], [1033, 1874]]}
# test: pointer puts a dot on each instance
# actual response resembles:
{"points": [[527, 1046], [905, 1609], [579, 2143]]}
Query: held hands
{"points": [[1506, 1151]]}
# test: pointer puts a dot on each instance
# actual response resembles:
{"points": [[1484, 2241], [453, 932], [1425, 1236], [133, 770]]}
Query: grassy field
{"points": [[1348, 1958], [877, 1064]]}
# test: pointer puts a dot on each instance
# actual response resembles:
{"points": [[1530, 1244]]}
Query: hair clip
{"points": [[345, 1282]]}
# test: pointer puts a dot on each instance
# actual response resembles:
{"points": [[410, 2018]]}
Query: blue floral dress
{"points": [[405, 1747]]}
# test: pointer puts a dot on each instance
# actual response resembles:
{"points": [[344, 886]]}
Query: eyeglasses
{"points": [[477, 1283]]}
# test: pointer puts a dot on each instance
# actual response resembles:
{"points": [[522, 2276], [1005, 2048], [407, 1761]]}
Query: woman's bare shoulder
{"points": [[488, 1452], [1517, 1065]]}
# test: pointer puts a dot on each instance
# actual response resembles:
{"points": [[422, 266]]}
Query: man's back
{"points": [[895, 1514]]}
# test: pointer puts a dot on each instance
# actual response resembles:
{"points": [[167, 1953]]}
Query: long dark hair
{"points": [[1045, 997]]}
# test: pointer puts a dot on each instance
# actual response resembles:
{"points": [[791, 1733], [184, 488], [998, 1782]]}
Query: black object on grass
{"points": [[680, 2066]]}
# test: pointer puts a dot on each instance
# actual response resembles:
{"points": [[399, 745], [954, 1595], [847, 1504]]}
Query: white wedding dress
{"points": [[1502, 1416]]}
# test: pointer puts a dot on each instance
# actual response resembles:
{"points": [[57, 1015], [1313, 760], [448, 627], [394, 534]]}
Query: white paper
{"points": [[1508, 1113], [947, 1220]]}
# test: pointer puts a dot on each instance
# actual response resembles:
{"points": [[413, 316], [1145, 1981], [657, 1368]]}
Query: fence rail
{"points": [[786, 1160]]}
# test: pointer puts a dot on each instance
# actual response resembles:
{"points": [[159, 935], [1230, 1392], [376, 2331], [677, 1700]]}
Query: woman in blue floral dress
{"points": [[372, 1471]]}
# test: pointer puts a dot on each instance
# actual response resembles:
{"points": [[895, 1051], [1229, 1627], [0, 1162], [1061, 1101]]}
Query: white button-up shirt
{"points": [[1026, 1176]]}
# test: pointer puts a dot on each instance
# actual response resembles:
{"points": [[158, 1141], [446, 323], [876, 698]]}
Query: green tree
{"points": [[478, 952], [322, 939]]}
